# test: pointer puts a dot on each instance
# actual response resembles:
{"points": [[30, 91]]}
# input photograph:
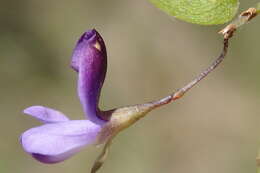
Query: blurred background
{"points": [[214, 128]]}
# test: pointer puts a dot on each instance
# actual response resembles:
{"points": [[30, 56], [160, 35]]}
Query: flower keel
{"points": [[52, 143]]}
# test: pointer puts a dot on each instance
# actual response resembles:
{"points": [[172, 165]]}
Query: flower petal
{"points": [[46, 115], [90, 60], [79, 49], [52, 143]]}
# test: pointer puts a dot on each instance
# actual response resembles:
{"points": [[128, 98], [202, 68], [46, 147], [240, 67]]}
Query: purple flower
{"points": [[59, 137]]}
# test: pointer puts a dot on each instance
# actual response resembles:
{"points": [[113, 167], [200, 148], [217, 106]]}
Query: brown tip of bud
{"points": [[228, 31], [250, 13]]}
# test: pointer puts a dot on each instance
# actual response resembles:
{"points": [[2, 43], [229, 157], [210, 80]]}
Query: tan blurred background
{"points": [[214, 128]]}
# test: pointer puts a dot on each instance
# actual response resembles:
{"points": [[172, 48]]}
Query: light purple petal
{"points": [[52, 143], [46, 115], [90, 60]]}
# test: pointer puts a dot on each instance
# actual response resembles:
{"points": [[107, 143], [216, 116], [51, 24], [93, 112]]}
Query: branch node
{"points": [[228, 31], [250, 13], [178, 94], [243, 18]]}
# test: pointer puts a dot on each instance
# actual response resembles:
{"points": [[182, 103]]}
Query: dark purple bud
{"points": [[90, 61]]}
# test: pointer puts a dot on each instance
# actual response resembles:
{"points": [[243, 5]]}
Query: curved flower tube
{"points": [[89, 59]]}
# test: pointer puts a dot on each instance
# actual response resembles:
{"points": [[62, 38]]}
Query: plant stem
{"points": [[227, 32], [180, 92]]}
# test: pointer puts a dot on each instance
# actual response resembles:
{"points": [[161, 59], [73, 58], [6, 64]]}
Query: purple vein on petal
{"points": [[90, 61]]}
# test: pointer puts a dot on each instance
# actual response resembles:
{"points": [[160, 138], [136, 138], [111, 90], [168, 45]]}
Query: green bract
{"points": [[203, 12]]}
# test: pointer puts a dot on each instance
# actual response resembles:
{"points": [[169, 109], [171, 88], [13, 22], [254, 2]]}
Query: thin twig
{"points": [[180, 92], [227, 32]]}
